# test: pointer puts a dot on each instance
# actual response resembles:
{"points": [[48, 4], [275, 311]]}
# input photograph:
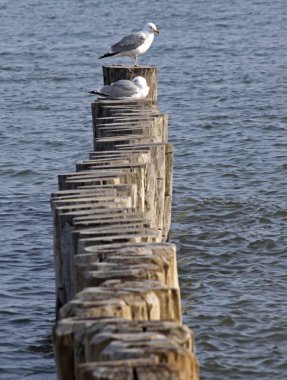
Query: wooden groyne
{"points": [[117, 294]]}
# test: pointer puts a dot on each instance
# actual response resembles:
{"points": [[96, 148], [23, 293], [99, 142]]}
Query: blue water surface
{"points": [[222, 80]]}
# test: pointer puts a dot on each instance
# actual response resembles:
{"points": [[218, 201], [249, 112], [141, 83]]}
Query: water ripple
{"points": [[222, 81]]}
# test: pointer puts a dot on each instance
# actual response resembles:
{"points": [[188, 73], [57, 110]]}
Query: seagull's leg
{"points": [[135, 60]]}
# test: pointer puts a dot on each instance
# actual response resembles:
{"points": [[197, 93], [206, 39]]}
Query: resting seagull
{"points": [[136, 88], [134, 44]]}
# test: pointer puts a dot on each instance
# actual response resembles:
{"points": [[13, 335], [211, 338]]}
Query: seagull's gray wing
{"points": [[120, 89], [128, 43], [125, 84]]}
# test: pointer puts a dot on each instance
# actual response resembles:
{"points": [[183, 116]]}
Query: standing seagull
{"points": [[134, 44], [136, 88]]}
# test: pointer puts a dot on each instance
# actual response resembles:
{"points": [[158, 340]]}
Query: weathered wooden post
{"points": [[118, 298]]}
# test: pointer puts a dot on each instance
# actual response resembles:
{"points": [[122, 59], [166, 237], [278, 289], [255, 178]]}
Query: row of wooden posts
{"points": [[118, 299]]}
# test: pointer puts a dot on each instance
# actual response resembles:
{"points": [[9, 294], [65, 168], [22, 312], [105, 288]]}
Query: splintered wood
{"points": [[117, 294]]}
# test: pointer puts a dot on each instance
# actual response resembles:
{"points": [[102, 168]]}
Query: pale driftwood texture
{"points": [[117, 292], [79, 341]]}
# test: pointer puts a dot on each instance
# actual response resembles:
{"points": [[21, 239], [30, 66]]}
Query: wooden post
{"points": [[113, 73], [116, 277]]}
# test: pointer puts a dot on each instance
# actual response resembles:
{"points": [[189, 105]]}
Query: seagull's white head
{"points": [[143, 88], [140, 82], [151, 28]]}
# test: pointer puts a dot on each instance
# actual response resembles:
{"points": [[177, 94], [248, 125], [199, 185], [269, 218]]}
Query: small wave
{"points": [[23, 173], [262, 243], [60, 79], [221, 25], [227, 320]]}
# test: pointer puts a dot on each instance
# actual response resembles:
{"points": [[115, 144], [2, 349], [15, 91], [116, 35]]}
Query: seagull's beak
{"points": [[156, 31]]}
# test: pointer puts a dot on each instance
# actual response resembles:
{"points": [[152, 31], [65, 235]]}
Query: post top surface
{"points": [[129, 67]]}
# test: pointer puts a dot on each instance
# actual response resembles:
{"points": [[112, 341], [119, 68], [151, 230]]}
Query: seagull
{"points": [[134, 44], [136, 88]]}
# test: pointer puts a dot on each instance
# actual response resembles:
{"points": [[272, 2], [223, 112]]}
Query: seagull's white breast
{"points": [[146, 45]]}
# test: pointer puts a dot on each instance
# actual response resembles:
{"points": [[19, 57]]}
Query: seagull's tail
{"points": [[92, 92], [97, 93], [107, 55]]}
